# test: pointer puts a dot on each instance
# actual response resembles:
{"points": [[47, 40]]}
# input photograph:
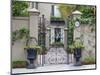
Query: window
{"points": [[35, 5], [55, 11]]}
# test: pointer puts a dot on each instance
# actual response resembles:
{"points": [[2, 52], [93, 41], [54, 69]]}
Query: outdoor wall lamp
{"points": [[77, 23]]}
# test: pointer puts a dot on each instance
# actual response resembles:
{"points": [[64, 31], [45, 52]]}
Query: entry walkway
{"points": [[49, 68]]}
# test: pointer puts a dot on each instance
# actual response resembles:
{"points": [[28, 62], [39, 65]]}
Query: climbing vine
{"points": [[22, 33], [70, 32]]}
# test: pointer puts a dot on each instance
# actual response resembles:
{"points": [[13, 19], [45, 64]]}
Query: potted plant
{"points": [[77, 47], [32, 52]]}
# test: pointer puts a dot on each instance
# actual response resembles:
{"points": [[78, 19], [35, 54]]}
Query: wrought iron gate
{"points": [[56, 56], [41, 31]]}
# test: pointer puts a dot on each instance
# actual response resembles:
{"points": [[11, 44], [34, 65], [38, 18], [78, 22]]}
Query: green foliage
{"points": [[57, 44], [88, 14], [14, 35], [89, 20], [19, 64], [66, 10], [40, 49], [70, 31], [78, 44], [19, 8], [88, 60], [22, 33], [36, 47], [56, 18], [88, 17], [88, 11], [74, 45]]}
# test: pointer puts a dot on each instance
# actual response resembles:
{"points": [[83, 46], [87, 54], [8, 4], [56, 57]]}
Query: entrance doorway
{"points": [[57, 34]]}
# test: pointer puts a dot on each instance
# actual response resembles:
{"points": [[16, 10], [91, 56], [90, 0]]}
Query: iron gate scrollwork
{"points": [[41, 31]]}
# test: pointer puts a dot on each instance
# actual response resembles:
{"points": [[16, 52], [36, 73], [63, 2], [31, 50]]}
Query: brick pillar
{"points": [[33, 24]]}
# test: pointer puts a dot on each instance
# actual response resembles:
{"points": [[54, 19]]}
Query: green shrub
{"points": [[56, 18], [36, 47], [19, 64], [88, 60], [57, 44], [40, 49], [75, 45], [78, 44], [19, 8]]}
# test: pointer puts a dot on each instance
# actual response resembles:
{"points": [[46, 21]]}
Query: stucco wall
{"points": [[19, 22], [89, 41], [18, 52], [18, 47], [88, 38]]}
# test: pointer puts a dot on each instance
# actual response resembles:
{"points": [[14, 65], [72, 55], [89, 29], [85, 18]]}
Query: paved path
{"points": [[49, 68]]}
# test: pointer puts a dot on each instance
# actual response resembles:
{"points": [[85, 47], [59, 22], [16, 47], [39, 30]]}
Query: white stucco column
{"points": [[33, 23], [62, 35], [47, 37], [77, 33]]}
